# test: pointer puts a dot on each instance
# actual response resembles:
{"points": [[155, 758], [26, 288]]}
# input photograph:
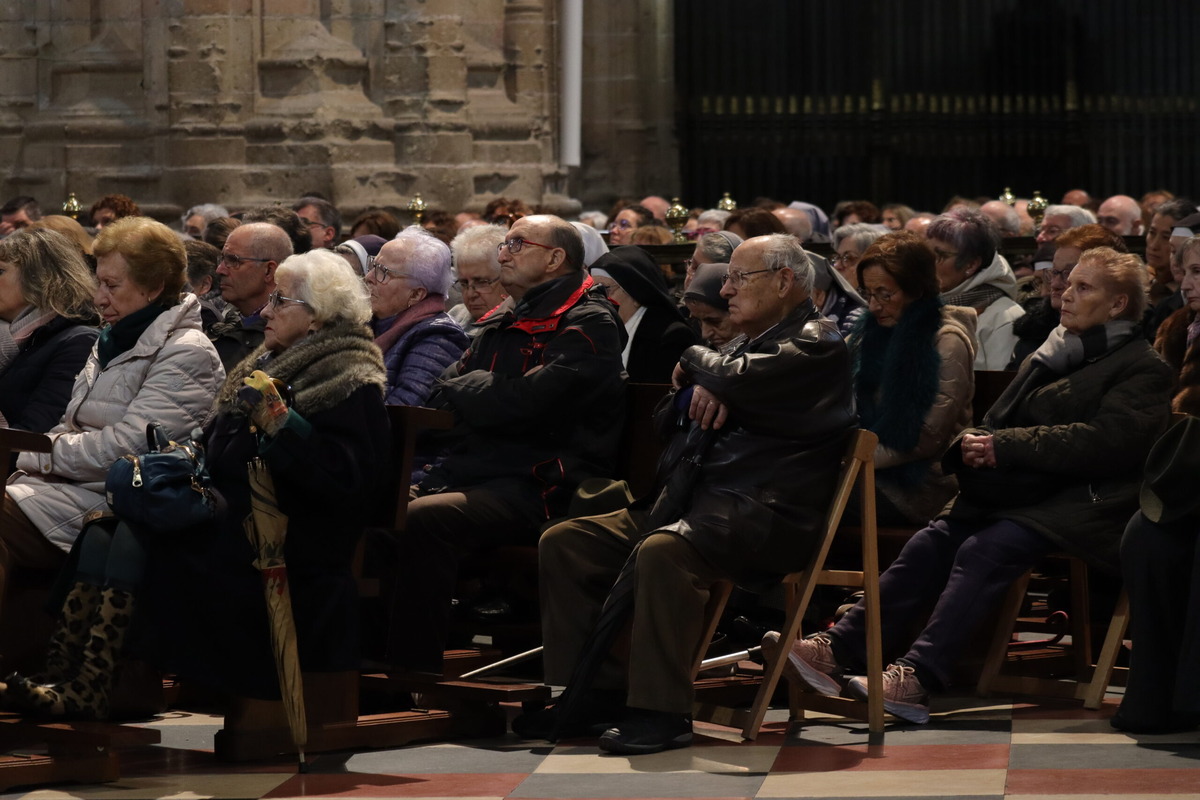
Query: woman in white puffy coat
{"points": [[152, 363]]}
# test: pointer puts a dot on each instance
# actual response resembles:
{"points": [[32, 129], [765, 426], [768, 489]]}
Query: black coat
{"points": [[660, 339], [36, 387], [544, 432], [203, 601], [766, 481]]}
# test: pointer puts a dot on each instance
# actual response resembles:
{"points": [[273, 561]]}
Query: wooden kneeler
{"points": [[858, 468]]}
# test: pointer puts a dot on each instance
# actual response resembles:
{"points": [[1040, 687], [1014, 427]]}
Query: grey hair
{"points": [[428, 259], [718, 247], [783, 251], [1077, 214], [209, 211], [478, 243], [328, 285], [714, 215], [1009, 222], [861, 234]]}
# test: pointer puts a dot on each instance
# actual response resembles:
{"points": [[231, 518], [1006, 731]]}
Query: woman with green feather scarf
{"points": [[913, 376]]}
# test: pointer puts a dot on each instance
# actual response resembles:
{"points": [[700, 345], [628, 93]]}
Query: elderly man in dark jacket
{"points": [[539, 405], [767, 419]]}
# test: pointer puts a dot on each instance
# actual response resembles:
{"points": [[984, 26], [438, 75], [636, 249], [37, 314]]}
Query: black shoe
{"points": [[590, 719], [648, 732]]}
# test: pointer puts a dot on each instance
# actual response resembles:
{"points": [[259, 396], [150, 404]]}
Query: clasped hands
{"points": [[978, 451], [705, 408]]}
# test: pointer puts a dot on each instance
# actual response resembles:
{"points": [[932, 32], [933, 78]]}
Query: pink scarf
{"points": [[432, 305]]}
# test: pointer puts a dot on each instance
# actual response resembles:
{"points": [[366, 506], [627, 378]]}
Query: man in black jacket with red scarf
{"points": [[539, 404]]}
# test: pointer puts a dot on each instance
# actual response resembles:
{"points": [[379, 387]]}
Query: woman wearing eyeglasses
{"points": [[151, 363], [408, 282], [913, 374], [849, 243], [477, 272], [198, 596]]}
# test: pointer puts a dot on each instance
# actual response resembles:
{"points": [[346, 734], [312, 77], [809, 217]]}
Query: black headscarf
{"points": [[639, 275]]}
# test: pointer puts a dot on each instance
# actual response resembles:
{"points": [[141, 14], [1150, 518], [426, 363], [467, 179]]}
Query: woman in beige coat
{"points": [[152, 363], [913, 376]]}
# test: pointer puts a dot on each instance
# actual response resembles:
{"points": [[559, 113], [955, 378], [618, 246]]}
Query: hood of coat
{"points": [[998, 274], [964, 322]]}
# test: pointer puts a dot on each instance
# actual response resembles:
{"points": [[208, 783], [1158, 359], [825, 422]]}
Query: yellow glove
{"points": [[262, 399]]}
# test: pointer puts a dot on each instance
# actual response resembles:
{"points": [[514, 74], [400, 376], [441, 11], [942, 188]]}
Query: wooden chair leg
{"points": [[998, 649], [1081, 620], [1107, 660], [718, 596], [773, 668]]}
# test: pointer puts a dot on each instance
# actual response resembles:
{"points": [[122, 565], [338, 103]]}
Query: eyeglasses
{"points": [[475, 284], [1051, 231], [236, 261], [847, 260], [515, 244], [313, 223], [882, 296], [382, 273], [276, 300], [943, 255], [1060, 274], [740, 279], [623, 224]]}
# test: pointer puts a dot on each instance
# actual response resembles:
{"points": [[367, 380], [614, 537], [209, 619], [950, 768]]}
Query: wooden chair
{"points": [[857, 469], [1090, 679]]}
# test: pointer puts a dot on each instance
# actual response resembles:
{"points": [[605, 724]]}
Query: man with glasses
{"points": [[538, 401], [767, 421], [322, 219], [246, 274]]}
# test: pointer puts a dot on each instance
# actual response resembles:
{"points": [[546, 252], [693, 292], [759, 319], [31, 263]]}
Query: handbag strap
{"points": [[156, 437]]}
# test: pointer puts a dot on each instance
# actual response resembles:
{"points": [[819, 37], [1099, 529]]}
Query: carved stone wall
{"points": [[177, 102]]}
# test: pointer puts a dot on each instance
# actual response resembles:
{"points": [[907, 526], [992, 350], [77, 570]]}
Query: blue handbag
{"points": [[167, 488]]}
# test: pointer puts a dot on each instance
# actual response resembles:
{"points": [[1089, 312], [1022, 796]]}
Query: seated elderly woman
{"points": [[47, 326], [835, 297], [657, 331], [1057, 466], [711, 248], [708, 307], [1178, 340], [408, 282], [849, 243], [972, 273], [477, 272], [1042, 316], [913, 380], [326, 449], [152, 363]]}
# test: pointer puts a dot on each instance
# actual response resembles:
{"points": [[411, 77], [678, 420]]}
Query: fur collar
{"points": [[896, 374], [323, 369]]}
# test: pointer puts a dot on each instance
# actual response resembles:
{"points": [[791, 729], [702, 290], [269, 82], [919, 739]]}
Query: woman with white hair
{"points": [[477, 272], [197, 218], [325, 441], [408, 282]]}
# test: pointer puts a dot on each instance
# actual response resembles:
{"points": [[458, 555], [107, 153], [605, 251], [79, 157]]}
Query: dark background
{"points": [[914, 101]]}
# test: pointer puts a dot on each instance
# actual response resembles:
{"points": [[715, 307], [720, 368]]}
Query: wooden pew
{"points": [[32, 752]]}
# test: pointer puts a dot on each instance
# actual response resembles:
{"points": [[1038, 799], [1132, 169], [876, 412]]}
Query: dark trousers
{"points": [[22, 546], [961, 569], [420, 568], [578, 562], [1160, 564]]}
